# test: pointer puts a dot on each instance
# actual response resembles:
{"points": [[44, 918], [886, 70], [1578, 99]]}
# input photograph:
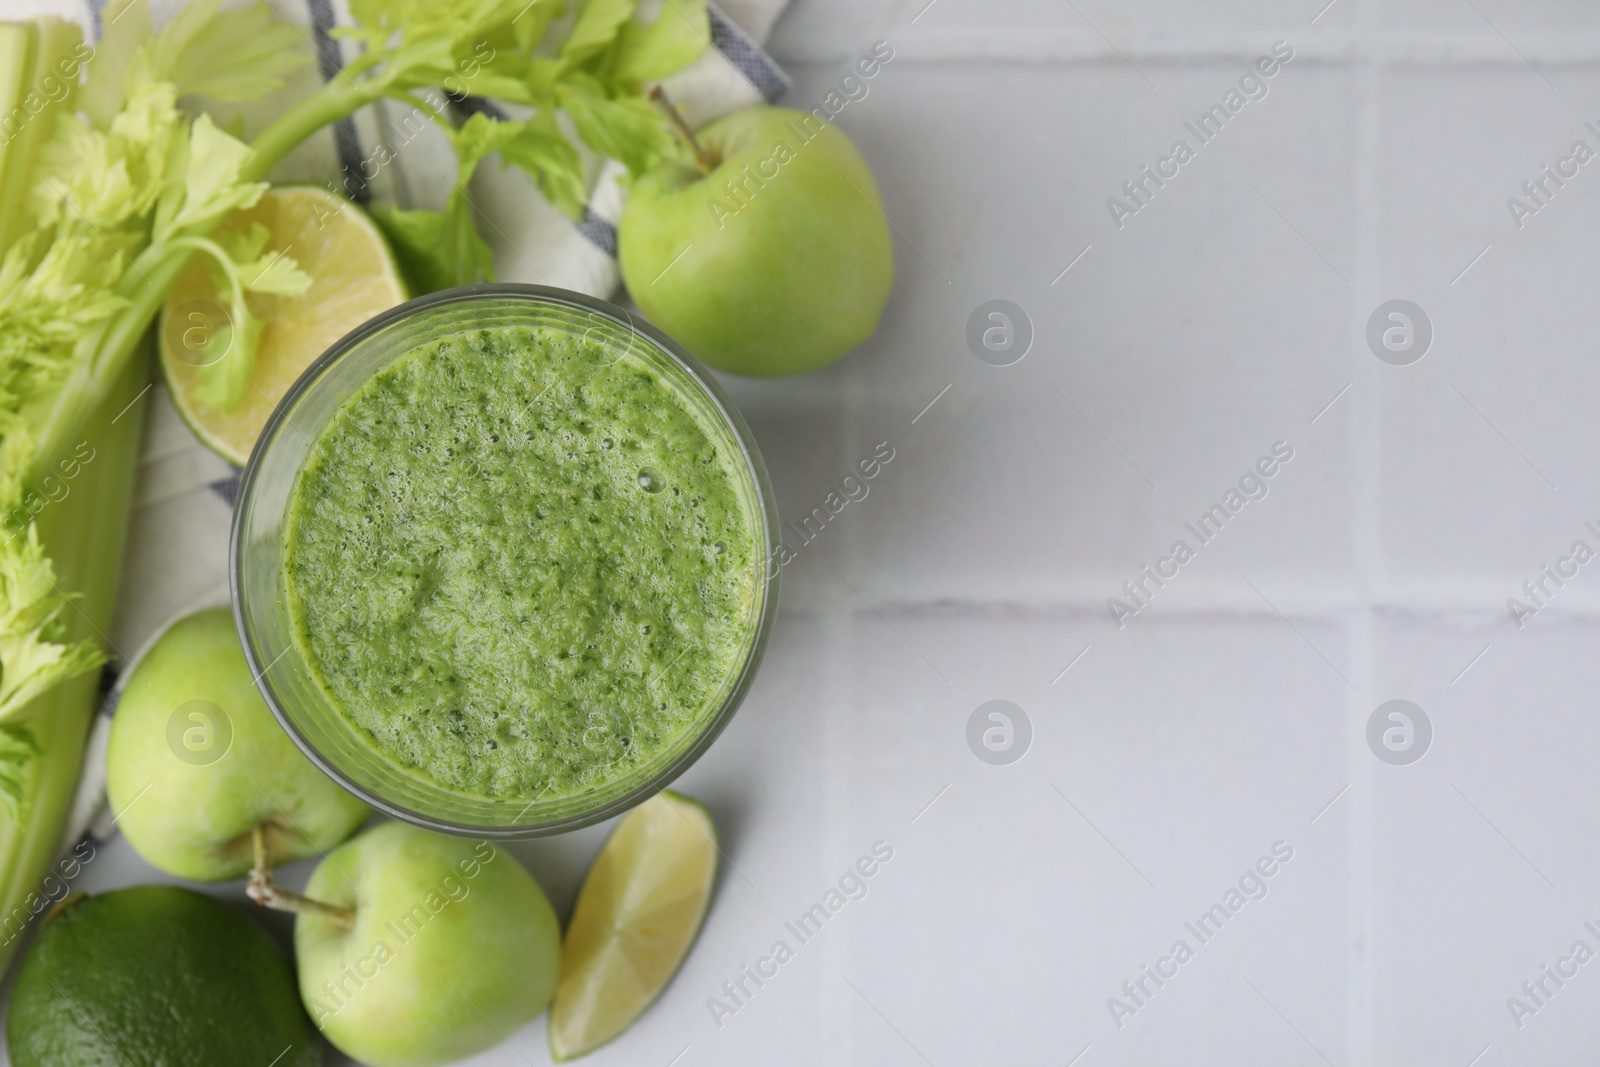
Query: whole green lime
{"points": [[156, 976]]}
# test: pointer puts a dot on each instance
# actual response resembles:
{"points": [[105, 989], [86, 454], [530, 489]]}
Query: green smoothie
{"points": [[521, 566]]}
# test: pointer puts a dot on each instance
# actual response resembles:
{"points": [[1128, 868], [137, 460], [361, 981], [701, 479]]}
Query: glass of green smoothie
{"points": [[503, 560]]}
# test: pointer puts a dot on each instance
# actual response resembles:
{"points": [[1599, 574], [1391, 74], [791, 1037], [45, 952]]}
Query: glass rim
{"points": [[712, 725]]}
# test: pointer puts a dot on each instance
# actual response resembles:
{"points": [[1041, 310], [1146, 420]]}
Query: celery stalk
{"points": [[33, 56], [84, 534], [19, 42]]}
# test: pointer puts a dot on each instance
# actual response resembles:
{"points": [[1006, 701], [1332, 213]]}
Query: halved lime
{"points": [[353, 277], [638, 912]]}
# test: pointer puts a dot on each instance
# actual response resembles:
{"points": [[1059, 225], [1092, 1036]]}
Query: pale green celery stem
{"points": [[219, 256], [18, 42], [329, 104], [83, 534], [29, 51], [158, 268]]}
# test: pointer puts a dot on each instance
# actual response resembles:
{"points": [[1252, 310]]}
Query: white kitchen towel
{"points": [[178, 543]]}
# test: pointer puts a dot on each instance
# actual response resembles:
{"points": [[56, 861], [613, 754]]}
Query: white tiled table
{"points": [[1229, 713]]}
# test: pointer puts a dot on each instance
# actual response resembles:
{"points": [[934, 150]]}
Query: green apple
{"points": [[419, 949], [196, 761], [777, 261]]}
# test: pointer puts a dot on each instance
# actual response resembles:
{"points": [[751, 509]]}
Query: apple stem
{"points": [[62, 905], [265, 891], [658, 96]]}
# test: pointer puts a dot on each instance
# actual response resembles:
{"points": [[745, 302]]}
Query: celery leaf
{"points": [[628, 128], [273, 273], [677, 36], [438, 249], [597, 25], [31, 659], [211, 186], [18, 749], [443, 249], [544, 153], [243, 56], [222, 382]]}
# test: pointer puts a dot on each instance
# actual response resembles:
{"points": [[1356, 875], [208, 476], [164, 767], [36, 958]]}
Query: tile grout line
{"points": [[1457, 616], [835, 1016], [1422, 51], [1367, 483], [837, 960]]}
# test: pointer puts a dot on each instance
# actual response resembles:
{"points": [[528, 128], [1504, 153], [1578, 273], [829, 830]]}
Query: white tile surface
{"points": [[1220, 319], [1227, 715]]}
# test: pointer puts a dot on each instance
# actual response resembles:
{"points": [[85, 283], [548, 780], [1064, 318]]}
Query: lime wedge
{"points": [[637, 914], [353, 277]]}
